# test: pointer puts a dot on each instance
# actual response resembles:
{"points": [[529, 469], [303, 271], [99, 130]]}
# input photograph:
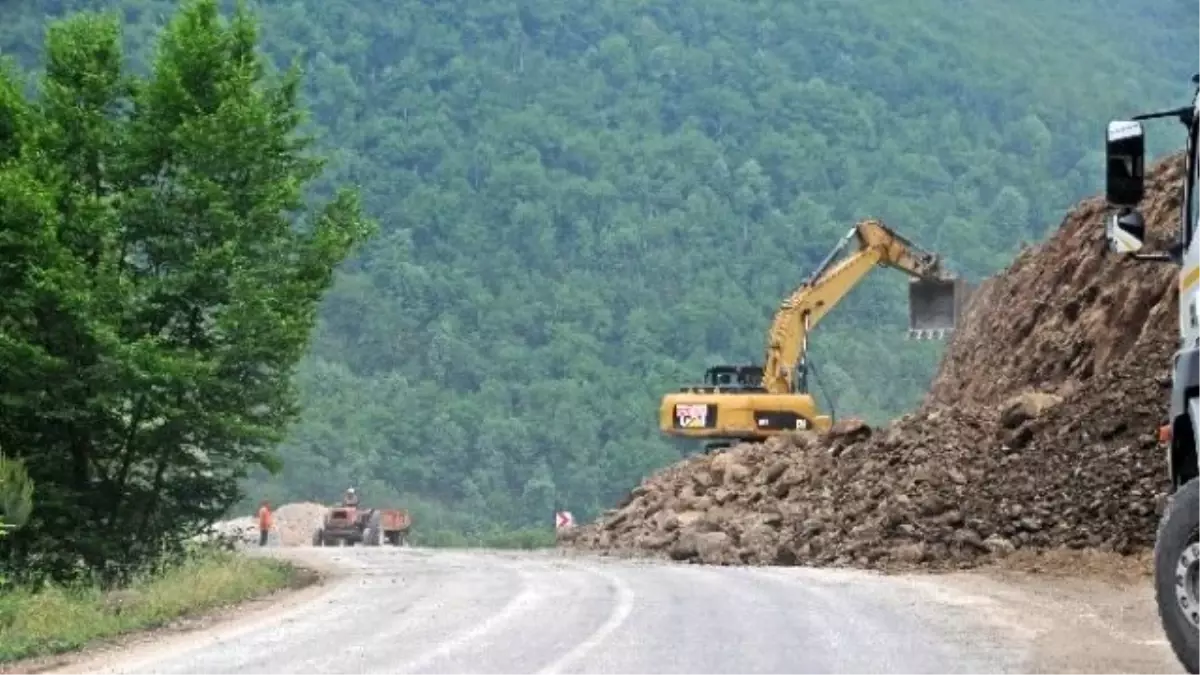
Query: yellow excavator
{"points": [[753, 402]]}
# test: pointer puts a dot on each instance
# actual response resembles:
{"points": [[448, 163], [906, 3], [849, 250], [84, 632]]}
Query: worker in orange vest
{"points": [[264, 522]]}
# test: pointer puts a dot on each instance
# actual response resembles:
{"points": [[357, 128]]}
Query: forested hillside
{"points": [[585, 202]]}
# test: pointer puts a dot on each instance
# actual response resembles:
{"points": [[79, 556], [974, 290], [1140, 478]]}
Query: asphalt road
{"points": [[416, 611]]}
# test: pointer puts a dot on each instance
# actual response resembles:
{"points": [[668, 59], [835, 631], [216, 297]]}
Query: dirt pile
{"points": [[294, 525], [1038, 433], [1062, 313], [296, 522]]}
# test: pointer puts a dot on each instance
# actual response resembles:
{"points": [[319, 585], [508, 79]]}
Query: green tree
{"points": [[165, 275]]}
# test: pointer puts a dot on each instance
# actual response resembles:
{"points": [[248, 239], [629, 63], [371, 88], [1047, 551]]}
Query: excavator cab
{"points": [[742, 378], [936, 306], [728, 378]]}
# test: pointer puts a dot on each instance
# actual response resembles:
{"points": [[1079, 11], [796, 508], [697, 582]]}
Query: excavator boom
{"points": [[835, 278], [936, 299]]}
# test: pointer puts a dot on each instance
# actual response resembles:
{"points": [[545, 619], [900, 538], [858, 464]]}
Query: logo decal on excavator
{"points": [[691, 415]]}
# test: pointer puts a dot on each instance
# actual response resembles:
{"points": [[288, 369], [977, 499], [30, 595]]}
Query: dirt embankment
{"points": [[1038, 433], [1063, 314]]}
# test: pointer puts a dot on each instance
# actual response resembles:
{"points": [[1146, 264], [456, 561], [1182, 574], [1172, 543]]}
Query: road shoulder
{"points": [[1085, 612], [314, 578]]}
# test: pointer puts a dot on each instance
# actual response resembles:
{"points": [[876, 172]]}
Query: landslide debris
{"points": [[1062, 313], [1037, 434]]}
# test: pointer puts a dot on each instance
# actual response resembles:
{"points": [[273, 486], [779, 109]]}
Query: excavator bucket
{"points": [[935, 307]]}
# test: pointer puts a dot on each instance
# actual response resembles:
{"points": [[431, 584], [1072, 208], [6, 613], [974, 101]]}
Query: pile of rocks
{"points": [[1038, 433]]}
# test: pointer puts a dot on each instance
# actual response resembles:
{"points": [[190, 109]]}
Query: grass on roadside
{"points": [[57, 620]]}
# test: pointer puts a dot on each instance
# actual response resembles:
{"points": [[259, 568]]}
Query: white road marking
{"points": [[527, 598], [622, 608]]}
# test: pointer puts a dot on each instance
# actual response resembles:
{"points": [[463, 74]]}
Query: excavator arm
{"points": [[787, 341]]}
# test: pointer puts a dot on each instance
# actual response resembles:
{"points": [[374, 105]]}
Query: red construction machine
{"points": [[350, 525]]}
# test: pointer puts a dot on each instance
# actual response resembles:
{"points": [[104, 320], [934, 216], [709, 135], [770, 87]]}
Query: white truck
{"points": [[1177, 546]]}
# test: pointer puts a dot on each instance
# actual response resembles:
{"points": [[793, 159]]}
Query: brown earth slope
{"points": [[1062, 313], [1038, 433]]}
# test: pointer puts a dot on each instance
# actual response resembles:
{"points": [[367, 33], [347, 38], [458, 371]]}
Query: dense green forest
{"points": [[584, 203]]}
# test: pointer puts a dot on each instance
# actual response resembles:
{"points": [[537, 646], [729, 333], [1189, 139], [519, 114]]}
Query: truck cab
{"points": [[1125, 232], [1177, 544]]}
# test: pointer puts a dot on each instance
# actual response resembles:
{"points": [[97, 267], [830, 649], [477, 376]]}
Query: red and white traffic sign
{"points": [[563, 520]]}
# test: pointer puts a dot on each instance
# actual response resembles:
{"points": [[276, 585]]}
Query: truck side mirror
{"points": [[1125, 152], [1125, 231]]}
